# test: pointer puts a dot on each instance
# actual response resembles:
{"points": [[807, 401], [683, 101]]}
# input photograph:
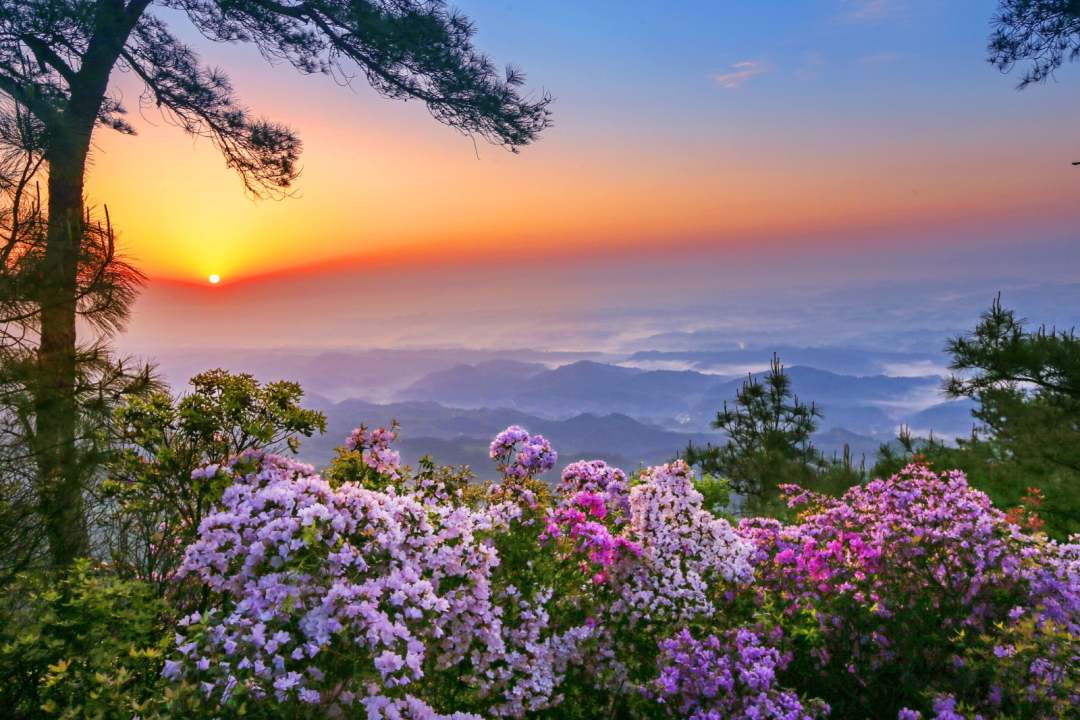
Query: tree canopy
{"points": [[56, 57], [1043, 33], [769, 438]]}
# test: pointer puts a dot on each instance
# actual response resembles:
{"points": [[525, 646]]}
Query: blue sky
{"points": [[765, 143]]}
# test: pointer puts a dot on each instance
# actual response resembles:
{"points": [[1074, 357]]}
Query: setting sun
{"points": [[214, 279]]}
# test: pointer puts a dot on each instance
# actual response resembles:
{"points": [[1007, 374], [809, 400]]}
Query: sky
{"points": [[698, 148]]}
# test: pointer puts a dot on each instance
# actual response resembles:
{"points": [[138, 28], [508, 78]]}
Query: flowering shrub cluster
{"points": [[686, 552], [308, 572], [733, 677], [413, 601], [654, 559], [519, 455], [599, 478], [897, 589], [375, 451], [580, 521], [375, 591]]}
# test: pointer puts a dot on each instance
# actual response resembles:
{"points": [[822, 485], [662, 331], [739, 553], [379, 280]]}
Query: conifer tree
{"points": [[32, 510], [768, 438], [56, 61]]}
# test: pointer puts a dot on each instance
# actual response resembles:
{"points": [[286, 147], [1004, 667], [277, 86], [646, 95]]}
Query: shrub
{"points": [[421, 598], [163, 480], [395, 593], [889, 593], [734, 677], [83, 644]]}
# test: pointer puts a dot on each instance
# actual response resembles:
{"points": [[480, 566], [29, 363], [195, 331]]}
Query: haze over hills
{"points": [[624, 415], [456, 400], [461, 436], [612, 410], [871, 361], [685, 400]]}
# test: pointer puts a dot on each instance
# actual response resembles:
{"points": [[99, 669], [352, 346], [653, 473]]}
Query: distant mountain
{"points": [[677, 400], [451, 402], [579, 387], [601, 388], [486, 384], [456, 436], [832, 442], [583, 376], [376, 374], [867, 419], [872, 405], [843, 360], [948, 420], [829, 387], [658, 391]]}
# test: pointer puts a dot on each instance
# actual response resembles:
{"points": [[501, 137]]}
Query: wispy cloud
{"points": [[739, 73], [869, 11]]}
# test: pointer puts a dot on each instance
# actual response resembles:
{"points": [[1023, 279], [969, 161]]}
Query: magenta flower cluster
{"points": [[906, 572], [580, 520], [599, 478]]}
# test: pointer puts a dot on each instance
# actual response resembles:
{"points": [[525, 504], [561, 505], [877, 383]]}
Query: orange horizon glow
{"points": [[385, 186], [517, 206]]}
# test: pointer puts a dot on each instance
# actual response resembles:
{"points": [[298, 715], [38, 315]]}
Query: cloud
{"points": [[868, 11], [740, 72]]}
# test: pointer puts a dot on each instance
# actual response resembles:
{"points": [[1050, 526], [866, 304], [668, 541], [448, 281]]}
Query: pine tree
{"points": [[768, 438], [56, 59]]}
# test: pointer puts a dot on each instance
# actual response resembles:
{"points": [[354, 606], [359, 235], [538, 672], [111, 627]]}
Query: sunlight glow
{"points": [[214, 279]]}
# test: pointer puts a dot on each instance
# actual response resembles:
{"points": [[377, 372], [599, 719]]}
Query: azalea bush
{"points": [[730, 676], [381, 591], [82, 643], [163, 477], [914, 595], [420, 598]]}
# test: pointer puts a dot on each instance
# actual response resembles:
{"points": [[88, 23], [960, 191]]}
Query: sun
{"points": [[214, 279]]}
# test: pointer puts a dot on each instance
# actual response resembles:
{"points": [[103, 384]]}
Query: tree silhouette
{"points": [[105, 286], [1044, 33], [56, 58], [768, 431]]}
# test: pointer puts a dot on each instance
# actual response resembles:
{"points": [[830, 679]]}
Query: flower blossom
{"points": [[519, 455]]}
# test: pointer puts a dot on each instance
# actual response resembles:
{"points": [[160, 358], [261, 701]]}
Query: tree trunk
{"points": [[60, 474]]}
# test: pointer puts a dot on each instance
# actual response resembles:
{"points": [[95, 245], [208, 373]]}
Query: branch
{"points": [[47, 56], [406, 49], [201, 101], [26, 93]]}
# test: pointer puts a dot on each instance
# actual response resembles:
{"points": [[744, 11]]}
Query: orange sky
{"points": [[362, 197], [863, 156]]}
